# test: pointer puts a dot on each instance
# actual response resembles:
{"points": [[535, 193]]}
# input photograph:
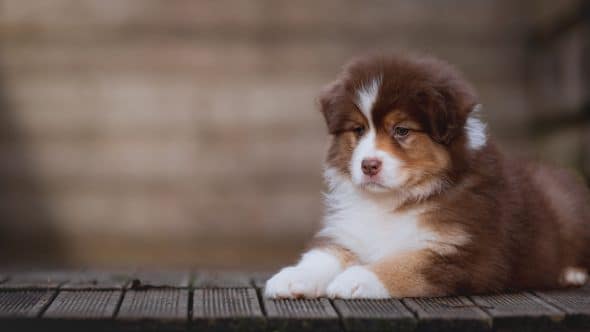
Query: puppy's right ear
{"points": [[331, 102]]}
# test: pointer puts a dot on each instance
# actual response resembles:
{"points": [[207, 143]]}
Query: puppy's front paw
{"points": [[295, 282], [357, 282]]}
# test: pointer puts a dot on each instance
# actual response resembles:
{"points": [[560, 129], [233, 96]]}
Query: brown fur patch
{"points": [[403, 276]]}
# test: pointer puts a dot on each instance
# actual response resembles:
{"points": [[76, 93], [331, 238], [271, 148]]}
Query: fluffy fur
{"points": [[438, 210]]}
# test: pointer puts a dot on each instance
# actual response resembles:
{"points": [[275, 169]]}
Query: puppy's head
{"points": [[397, 122]]}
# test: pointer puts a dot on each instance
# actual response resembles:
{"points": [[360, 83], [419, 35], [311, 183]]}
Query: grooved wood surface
{"points": [[84, 304], [448, 314], [375, 315], [155, 304], [304, 309], [574, 302], [164, 303], [297, 315], [519, 310], [235, 309], [23, 303], [226, 303]]}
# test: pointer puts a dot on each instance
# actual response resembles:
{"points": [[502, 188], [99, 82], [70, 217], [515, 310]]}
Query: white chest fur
{"points": [[370, 228]]}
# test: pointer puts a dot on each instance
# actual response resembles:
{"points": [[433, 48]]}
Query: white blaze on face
{"points": [[389, 176], [367, 96]]}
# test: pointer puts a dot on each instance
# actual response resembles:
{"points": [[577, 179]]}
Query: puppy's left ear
{"points": [[447, 107]]}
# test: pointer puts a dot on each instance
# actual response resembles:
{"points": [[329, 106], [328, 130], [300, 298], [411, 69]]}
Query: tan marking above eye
{"points": [[409, 124], [393, 118], [398, 118], [350, 125]]}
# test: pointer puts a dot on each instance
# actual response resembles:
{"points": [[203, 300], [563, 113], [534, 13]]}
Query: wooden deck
{"points": [[215, 301]]}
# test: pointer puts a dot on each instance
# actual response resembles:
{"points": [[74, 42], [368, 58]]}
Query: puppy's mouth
{"points": [[373, 185]]}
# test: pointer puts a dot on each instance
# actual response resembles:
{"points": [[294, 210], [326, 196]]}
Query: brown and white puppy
{"points": [[422, 203]]}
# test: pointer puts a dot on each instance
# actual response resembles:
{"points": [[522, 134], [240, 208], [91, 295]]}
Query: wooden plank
{"points": [[23, 303], [227, 309], [574, 302], [85, 304], [78, 310], [36, 279], [301, 315], [160, 279], [448, 314], [519, 312], [154, 309], [97, 279], [20, 309], [375, 315], [221, 279]]}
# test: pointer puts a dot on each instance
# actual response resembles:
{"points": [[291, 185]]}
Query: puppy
{"points": [[420, 202]]}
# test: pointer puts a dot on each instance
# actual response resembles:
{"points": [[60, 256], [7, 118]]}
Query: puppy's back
{"points": [[569, 200]]}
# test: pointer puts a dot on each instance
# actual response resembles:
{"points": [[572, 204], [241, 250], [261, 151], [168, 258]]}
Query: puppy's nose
{"points": [[371, 166]]}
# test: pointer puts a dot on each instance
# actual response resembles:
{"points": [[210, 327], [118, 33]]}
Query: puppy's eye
{"points": [[400, 132], [358, 130]]}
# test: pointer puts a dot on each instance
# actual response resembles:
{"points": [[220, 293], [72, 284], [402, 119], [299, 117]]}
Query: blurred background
{"points": [[185, 133]]}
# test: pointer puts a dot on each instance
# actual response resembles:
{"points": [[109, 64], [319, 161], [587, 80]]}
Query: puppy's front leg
{"points": [[310, 277], [393, 276]]}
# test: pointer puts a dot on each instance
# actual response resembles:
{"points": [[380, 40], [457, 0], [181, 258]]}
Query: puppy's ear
{"points": [[446, 108], [331, 102]]}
